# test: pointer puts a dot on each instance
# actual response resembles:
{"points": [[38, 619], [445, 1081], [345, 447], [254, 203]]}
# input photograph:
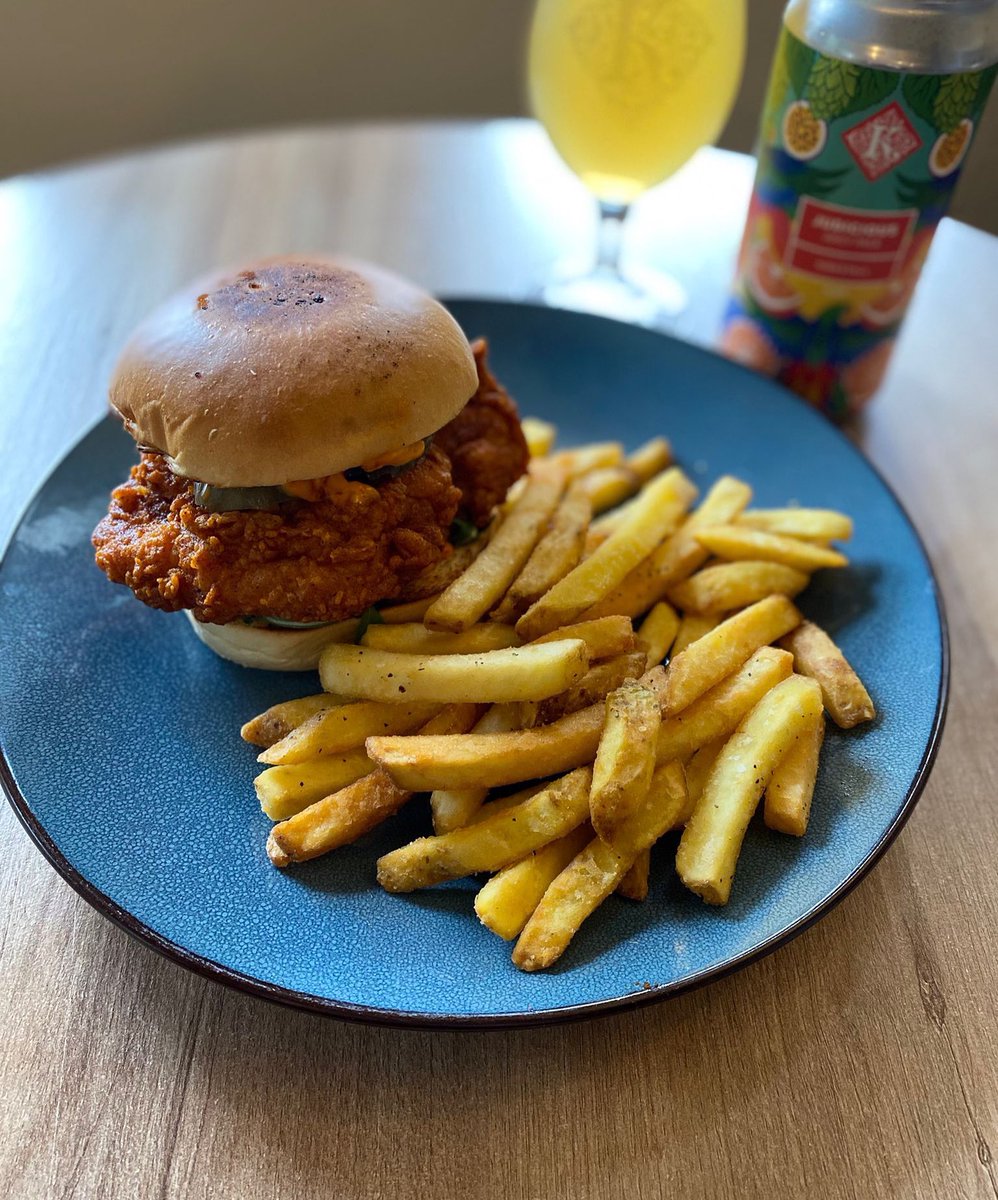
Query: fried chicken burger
{"points": [[312, 434]]}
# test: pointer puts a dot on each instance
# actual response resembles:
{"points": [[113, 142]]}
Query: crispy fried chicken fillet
{"points": [[484, 443], [313, 561]]}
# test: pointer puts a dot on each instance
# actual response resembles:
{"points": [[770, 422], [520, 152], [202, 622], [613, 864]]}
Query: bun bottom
{"points": [[271, 649]]}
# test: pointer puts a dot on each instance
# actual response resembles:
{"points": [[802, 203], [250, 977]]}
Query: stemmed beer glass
{"points": [[628, 90]]}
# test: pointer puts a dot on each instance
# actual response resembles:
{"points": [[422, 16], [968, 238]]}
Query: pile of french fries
{"points": [[528, 672]]}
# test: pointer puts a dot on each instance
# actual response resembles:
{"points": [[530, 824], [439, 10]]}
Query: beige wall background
{"points": [[84, 77]]}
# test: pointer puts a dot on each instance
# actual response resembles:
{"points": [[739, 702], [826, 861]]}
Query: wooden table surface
{"points": [[859, 1061]]}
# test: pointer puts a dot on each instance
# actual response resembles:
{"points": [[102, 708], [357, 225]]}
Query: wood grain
{"points": [[860, 1061]]}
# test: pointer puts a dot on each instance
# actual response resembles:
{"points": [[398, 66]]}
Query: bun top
{"points": [[291, 369]]}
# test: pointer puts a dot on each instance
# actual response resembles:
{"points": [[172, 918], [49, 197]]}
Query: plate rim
{"points": [[275, 993]]}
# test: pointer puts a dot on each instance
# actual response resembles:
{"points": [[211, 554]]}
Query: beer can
{"points": [[871, 109]]}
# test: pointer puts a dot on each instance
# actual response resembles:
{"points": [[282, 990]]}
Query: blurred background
{"points": [[80, 79]]}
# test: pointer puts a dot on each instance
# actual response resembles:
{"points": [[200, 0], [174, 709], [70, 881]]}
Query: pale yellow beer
{"points": [[629, 89]]}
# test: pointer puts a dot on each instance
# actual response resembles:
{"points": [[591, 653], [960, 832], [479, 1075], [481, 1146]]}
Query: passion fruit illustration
{"points": [[950, 149], [804, 134]]}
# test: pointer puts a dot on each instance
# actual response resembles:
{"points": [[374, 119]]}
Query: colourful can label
{"points": [[856, 168]]}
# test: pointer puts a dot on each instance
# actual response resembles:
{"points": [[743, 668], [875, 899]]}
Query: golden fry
{"points": [[491, 759], [808, 524], [540, 435], [278, 721], [815, 654], [284, 791], [634, 885], [343, 728], [691, 629], [787, 806], [456, 807], [712, 839], [700, 766], [404, 614], [734, 585], [607, 487], [491, 844], [625, 761], [605, 638], [658, 631], [336, 820], [588, 879], [718, 711], [481, 586], [657, 509], [593, 687], [649, 459], [417, 639], [737, 542], [592, 457], [678, 556], [557, 553], [520, 673], [505, 903], [724, 650]]}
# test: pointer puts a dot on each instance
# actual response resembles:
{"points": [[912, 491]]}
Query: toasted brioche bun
{"points": [[293, 368], [271, 649]]}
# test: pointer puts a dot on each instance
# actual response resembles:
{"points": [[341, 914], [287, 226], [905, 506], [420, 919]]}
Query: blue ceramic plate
{"points": [[121, 752]]}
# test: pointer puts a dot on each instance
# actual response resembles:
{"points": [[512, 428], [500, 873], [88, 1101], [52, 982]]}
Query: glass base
{"points": [[643, 297]]}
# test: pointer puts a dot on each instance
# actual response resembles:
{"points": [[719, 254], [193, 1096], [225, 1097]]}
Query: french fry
{"points": [[510, 800], [734, 585], [591, 457], [336, 820], [717, 712], [724, 650], [491, 759], [738, 542], [634, 885], [343, 728], [506, 901], [540, 435], [808, 524], [431, 582], [452, 808], [277, 722], [557, 552], [417, 639], [650, 458], [692, 627], [480, 587], [520, 673], [491, 844], [607, 487], [604, 638], [625, 762], [658, 631], [344, 815], [404, 614], [787, 805], [589, 878], [593, 687], [657, 509], [284, 791], [815, 654], [712, 840], [678, 556], [700, 766]]}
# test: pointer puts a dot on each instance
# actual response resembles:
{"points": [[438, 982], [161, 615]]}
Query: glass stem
{"points": [[611, 231]]}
